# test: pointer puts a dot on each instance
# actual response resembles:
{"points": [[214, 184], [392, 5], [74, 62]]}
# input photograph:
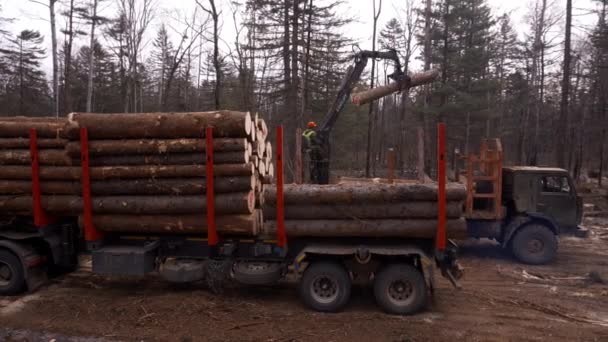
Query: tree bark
{"points": [[126, 172], [373, 94], [45, 128], [363, 211], [362, 193], [55, 101], [91, 73], [160, 125], [45, 157], [564, 126], [175, 224], [424, 229], [115, 187], [225, 204], [156, 146], [18, 143], [164, 159]]}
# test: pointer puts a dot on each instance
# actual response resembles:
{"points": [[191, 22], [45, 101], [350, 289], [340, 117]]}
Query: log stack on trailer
{"points": [[365, 210], [147, 170], [148, 175]]}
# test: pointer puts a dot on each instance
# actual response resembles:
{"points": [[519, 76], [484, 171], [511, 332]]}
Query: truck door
{"points": [[557, 199]]}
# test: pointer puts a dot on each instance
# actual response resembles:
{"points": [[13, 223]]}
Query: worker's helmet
{"points": [[311, 124]]}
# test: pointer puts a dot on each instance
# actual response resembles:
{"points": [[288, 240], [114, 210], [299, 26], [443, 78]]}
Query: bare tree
{"points": [[215, 16], [95, 19], [370, 113], [564, 124], [51, 6], [137, 16]]}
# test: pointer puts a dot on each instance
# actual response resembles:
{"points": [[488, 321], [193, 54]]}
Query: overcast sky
{"points": [[29, 15]]}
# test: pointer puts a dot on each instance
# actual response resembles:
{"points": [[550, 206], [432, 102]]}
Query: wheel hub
{"points": [[6, 274], [535, 246], [324, 289], [400, 291]]}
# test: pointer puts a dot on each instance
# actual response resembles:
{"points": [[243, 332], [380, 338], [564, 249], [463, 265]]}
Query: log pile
{"points": [[365, 210], [147, 169]]}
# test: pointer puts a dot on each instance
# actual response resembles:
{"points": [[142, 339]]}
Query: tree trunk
{"points": [[164, 159], [423, 229], [49, 128], [370, 113], [363, 211], [126, 172], [247, 225], [226, 203], [91, 73], [362, 193], [156, 146], [45, 157], [160, 125], [18, 143], [55, 101], [564, 125], [115, 187]]}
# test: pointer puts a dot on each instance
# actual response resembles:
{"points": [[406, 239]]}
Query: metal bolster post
{"points": [[281, 234], [40, 216], [212, 238], [441, 192], [91, 234]]}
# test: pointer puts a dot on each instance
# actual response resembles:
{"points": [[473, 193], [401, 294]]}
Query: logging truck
{"points": [[215, 244], [524, 208]]}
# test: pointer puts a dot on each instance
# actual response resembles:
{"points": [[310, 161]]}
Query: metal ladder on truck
{"points": [[483, 179]]}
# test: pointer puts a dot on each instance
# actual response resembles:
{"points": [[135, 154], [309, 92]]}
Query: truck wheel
{"points": [[12, 278], [400, 289], [325, 286], [534, 244]]}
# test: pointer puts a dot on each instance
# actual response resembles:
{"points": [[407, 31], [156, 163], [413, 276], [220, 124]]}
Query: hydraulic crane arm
{"points": [[353, 75]]}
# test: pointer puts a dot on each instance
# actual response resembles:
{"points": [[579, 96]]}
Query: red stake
{"points": [[90, 233], [441, 196], [281, 235], [40, 216], [212, 238]]}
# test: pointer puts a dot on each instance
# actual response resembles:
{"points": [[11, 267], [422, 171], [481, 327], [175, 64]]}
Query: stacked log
{"points": [[364, 210], [147, 170], [15, 159]]}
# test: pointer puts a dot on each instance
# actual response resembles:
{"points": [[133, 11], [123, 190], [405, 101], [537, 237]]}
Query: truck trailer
{"points": [[400, 268]]}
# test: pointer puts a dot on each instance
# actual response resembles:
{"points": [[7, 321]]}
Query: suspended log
{"points": [[127, 172], [51, 128], [162, 186], [160, 125], [156, 146], [246, 225], [227, 203], [411, 228], [362, 193], [414, 209], [411, 81], [167, 159], [42, 143], [45, 157]]}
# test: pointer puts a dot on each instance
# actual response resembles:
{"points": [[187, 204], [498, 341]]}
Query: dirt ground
{"points": [[501, 300]]}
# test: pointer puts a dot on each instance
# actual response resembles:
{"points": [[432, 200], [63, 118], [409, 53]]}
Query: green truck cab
{"points": [[537, 204]]}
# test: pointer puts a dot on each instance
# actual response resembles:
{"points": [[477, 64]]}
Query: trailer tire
{"points": [[325, 286], [12, 276], [400, 289], [534, 244]]}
